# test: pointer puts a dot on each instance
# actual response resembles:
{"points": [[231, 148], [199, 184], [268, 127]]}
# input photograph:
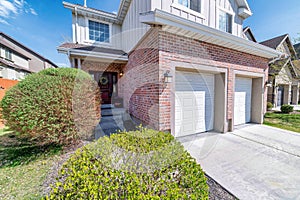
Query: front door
{"points": [[107, 82], [280, 96]]}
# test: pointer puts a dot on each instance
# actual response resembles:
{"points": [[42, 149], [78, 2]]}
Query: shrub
{"points": [[144, 164], [269, 106], [53, 106], [286, 109]]}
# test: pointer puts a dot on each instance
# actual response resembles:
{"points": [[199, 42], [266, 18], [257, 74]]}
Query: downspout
{"points": [[76, 26]]}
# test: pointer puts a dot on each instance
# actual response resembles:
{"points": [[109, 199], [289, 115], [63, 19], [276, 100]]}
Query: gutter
{"points": [[160, 17], [92, 54]]}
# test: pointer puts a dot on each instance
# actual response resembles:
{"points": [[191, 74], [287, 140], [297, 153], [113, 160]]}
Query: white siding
{"points": [[133, 30], [83, 36], [20, 61], [209, 15]]}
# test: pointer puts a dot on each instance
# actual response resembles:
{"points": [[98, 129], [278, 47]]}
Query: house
{"points": [[282, 73], [182, 66], [17, 60], [248, 34], [297, 49]]}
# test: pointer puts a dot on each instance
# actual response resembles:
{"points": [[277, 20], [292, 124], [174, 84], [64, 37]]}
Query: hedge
{"points": [[53, 106], [144, 164]]}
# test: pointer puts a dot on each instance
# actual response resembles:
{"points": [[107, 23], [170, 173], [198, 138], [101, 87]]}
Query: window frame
{"points": [[7, 51], [189, 7], [87, 32], [218, 19]]}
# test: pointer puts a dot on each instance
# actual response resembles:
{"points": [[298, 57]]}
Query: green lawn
{"points": [[23, 166], [289, 122]]}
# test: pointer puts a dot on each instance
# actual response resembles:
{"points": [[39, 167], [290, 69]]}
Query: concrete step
{"points": [[107, 106], [112, 112]]}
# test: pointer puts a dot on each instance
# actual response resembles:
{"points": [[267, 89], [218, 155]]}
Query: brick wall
{"points": [[174, 48], [140, 80]]}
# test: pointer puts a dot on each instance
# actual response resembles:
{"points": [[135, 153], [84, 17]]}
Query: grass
{"points": [[23, 166], [289, 122]]}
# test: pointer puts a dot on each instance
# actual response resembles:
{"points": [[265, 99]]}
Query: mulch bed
{"points": [[218, 192]]}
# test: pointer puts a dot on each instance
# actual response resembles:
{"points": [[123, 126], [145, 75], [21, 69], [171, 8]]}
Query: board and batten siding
{"points": [[209, 15], [127, 35], [132, 29], [83, 36]]}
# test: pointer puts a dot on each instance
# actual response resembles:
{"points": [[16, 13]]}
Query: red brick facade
{"points": [[174, 48], [145, 94]]}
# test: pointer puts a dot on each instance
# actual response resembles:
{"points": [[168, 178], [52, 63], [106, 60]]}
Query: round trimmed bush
{"points": [[54, 106], [144, 164], [269, 106], [286, 108]]}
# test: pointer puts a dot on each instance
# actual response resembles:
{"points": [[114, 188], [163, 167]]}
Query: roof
{"points": [[274, 42], [26, 48], [91, 48], [248, 30], [13, 65], [103, 15]]}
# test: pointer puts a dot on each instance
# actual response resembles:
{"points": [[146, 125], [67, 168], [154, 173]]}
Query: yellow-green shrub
{"points": [[53, 106], [144, 164]]}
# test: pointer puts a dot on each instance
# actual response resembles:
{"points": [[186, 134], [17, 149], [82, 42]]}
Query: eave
{"points": [[93, 13], [178, 25], [92, 54]]}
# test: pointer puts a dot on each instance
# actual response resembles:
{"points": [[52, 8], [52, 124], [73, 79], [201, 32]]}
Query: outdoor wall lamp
{"points": [[121, 73], [269, 83], [168, 78]]}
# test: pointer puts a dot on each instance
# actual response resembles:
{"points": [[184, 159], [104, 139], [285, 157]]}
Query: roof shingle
{"points": [[92, 48], [274, 42]]}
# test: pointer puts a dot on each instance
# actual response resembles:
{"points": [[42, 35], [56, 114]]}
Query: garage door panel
{"points": [[194, 106]]}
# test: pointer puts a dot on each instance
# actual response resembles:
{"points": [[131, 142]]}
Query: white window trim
{"points": [[87, 31], [177, 5], [218, 18]]}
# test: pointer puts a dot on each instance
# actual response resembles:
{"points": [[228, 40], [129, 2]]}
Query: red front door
{"points": [[107, 82]]}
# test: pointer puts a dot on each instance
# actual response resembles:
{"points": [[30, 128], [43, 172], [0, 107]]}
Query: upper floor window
{"points": [[98, 31], [191, 4], [8, 54], [225, 21]]}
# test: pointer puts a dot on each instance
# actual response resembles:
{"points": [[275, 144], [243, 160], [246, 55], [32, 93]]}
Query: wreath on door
{"points": [[103, 80]]}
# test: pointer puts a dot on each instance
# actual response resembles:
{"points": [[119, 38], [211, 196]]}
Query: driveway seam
{"points": [[261, 143]]}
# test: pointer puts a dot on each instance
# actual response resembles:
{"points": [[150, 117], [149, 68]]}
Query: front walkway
{"points": [[253, 162]]}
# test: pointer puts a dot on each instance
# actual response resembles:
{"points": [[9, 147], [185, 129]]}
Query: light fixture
{"points": [[168, 77], [269, 83], [121, 73]]}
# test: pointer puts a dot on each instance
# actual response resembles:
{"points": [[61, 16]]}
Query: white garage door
{"points": [[242, 100], [194, 103]]}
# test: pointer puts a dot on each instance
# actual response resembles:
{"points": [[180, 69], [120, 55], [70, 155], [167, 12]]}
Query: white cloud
{"points": [[2, 21], [12, 8]]}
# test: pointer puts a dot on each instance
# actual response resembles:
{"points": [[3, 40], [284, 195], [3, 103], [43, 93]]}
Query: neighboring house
{"points": [[297, 49], [180, 65], [282, 73], [248, 34], [17, 60]]}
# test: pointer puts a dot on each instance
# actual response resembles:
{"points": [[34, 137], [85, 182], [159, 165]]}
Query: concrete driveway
{"points": [[254, 162]]}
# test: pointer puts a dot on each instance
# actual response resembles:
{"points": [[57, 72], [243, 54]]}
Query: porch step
{"points": [[112, 121], [112, 112], [107, 106]]}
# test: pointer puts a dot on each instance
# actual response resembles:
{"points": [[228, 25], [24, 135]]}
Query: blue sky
{"points": [[44, 24]]}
